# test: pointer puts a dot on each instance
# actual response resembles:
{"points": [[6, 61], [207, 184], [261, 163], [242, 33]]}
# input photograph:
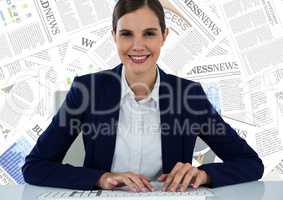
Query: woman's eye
{"points": [[125, 34], [149, 34]]}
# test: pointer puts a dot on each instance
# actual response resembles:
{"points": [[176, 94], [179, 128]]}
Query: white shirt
{"points": [[138, 140]]}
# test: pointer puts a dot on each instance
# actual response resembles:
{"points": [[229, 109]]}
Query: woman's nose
{"points": [[138, 44]]}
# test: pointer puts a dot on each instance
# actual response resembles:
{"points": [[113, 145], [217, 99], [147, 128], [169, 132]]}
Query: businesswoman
{"points": [[139, 123]]}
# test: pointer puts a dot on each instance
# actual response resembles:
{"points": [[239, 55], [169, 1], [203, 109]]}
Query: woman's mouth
{"points": [[138, 59]]}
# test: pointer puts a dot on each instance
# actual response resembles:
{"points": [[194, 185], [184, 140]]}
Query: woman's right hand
{"points": [[135, 182]]}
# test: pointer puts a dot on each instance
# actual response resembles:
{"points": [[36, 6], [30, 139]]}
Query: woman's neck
{"points": [[141, 84]]}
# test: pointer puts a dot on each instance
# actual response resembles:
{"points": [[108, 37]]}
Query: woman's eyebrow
{"points": [[147, 29], [151, 29], [124, 30]]}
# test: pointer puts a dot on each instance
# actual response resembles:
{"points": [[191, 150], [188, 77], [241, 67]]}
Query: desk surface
{"points": [[270, 190]]}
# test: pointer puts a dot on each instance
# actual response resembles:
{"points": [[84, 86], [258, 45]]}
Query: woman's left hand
{"points": [[183, 175]]}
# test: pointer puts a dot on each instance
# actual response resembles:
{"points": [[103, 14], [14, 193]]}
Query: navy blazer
{"points": [[93, 103]]}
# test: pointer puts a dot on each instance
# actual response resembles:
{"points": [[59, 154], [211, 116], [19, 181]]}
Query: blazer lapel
{"points": [[105, 143], [171, 140]]}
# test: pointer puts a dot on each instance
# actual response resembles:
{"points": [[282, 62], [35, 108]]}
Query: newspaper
{"points": [[220, 77], [263, 99], [78, 60], [5, 178], [199, 38], [202, 17], [29, 86], [31, 25], [279, 169], [12, 160], [232, 47], [255, 29]]}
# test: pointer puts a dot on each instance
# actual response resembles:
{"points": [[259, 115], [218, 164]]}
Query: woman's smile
{"points": [[139, 38], [139, 59]]}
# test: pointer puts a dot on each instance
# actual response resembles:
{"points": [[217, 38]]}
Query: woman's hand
{"points": [[183, 175], [135, 182]]}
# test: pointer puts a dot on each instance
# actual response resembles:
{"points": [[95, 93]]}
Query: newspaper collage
{"points": [[234, 48]]}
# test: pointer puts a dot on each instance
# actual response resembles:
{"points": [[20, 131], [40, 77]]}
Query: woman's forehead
{"points": [[143, 18]]}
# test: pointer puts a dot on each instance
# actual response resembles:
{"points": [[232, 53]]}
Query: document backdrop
{"points": [[234, 48]]}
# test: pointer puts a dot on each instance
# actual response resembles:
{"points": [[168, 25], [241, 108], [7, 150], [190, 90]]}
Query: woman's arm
{"points": [[240, 162], [43, 166]]}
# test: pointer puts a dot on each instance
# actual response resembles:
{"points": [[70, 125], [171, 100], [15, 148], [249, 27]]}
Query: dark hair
{"points": [[123, 7]]}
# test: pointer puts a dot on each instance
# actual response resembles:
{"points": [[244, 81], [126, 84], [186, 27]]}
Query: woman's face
{"points": [[139, 39]]}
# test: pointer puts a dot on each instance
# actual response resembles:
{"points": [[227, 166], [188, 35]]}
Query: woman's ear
{"points": [[114, 36], [165, 34]]}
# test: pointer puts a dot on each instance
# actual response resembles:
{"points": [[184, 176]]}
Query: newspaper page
{"points": [[31, 87], [27, 99], [220, 76], [206, 32], [202, 18], [12, 160], [277, 172], [232, 47], [29, 95], [263, 100], [223, 46], [77, 60], [30, 25], [255, 29]]}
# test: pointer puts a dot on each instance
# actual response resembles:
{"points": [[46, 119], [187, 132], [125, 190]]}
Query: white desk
{"points": [[247, 191]]}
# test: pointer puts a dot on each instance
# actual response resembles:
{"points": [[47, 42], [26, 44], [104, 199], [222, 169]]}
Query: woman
{"points": [[138, 122]]}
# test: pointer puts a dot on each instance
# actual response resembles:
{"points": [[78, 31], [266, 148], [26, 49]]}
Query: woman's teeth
{"points": [[138, 59]]}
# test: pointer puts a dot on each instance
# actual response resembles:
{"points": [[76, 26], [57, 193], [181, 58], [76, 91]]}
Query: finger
{"points": [[119, 181], [148, 185], [188, 178], [110, 183], [113, 182], [144, 177], [200, 178], [146, 181], [162, 177], [139, 183], [171, 175], [124, 179], [179, 176]]}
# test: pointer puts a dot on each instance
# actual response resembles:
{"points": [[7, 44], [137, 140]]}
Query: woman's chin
{"points": [[139, 69]]}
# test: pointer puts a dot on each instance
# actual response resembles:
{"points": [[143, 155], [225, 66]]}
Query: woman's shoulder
{"points": [[181, 81], [99, 77]]}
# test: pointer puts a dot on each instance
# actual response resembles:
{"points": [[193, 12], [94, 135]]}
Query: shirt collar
{"points": [[126, 90]]}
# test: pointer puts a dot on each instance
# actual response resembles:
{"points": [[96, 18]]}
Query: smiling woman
{"points": [[139, 36], [150, 122]]}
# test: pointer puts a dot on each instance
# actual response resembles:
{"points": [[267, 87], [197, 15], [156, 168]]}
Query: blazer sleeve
{"points": [[240, 162], [43, 166]]}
